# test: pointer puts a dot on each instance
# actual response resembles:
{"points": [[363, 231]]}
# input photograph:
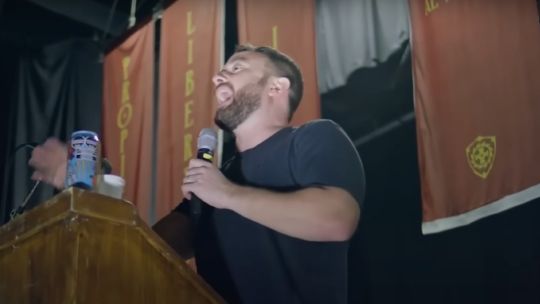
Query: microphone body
{"points": [[206, 145]]}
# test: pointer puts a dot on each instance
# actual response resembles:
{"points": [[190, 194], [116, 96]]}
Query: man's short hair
{"points": [[283, 66]]}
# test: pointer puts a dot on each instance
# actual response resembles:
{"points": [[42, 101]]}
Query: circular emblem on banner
{"points": [[124, 115], [481, 155]]}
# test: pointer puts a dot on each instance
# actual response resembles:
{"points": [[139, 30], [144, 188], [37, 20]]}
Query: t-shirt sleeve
{"points": [[323, 155]]}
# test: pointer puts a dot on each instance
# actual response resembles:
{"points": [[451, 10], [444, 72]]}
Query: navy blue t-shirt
{"points": [[249, 263]]}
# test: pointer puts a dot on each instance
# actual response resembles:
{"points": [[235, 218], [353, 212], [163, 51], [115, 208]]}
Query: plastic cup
{"points": [[111, 185]]}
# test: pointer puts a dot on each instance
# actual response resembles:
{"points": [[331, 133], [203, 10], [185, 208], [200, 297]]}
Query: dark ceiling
{"points": [[33, 23], [371, 100]]}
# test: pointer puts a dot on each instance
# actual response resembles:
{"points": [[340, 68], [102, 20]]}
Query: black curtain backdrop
{"points": [[57, 89]]}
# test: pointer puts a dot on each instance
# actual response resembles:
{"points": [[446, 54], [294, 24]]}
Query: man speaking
{"points": [[276, 220]]}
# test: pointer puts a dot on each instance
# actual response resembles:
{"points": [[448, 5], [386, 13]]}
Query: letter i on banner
{"points": [[275, 37]]}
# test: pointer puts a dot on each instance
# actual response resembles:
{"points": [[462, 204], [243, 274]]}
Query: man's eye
{"points": [[236, 68]]}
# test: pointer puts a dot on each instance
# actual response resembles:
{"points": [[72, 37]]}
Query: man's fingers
{"points": [[189, 180], [37, 176], [194, 162], [52, 150], [195, 171], [37, 159], [54, 144], [196, 175], [42, 158], [192, 177], [186, 192]]}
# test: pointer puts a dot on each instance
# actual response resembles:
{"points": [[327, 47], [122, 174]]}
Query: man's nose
{"points": [[218, 79]]}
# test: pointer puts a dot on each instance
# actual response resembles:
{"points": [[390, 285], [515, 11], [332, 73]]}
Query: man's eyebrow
{"points": [[230, 63], [239, 58]]}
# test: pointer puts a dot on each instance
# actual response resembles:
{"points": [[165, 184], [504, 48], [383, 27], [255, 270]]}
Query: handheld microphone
{"points": [[206, 144]]}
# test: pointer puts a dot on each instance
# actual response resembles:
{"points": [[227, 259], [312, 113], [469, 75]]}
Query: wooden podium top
{"points": [[83, 247]]}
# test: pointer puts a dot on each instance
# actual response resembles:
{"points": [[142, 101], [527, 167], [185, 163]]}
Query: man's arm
{"points": [[50, 162], [313, 214], [175, 230]]}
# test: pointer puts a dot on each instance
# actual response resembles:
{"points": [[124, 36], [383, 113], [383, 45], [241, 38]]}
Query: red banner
{"points": [[288, 26], [475, 66], [127, 114], [191, 47]]}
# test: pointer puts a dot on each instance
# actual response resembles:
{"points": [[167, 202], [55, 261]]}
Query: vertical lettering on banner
{"points": [[190, 27], [275, 37], [190, 51], [190, 83], [188, 119], [188, 139], [430, 6], [125, 113], [189, 90]]}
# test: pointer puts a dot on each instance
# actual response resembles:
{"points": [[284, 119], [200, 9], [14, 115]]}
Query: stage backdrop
{"points": [[288, 26], [55, 90], [476, 67], [127, 114], [191, 48]]}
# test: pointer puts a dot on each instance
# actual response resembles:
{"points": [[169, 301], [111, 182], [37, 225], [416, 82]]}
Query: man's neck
{"points": [[248, 137]]}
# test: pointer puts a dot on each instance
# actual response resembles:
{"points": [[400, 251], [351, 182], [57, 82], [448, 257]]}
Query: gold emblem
{"points": [[481, 155]]}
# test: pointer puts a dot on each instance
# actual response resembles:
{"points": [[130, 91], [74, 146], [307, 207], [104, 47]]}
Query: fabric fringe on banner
{"points": [[467, 218]]}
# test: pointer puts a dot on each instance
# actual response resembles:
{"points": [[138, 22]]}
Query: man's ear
{"points": [[279, 85]]}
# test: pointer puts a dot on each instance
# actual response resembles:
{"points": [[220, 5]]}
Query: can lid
{"points": [[85, 133]]}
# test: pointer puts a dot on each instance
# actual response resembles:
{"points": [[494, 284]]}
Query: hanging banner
{"points": [[191, 48], [475, 66], [288, 26], [127, 114]]}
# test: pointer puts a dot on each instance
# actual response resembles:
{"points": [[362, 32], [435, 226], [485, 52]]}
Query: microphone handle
{"points": [[196, 203], [196, 206]]}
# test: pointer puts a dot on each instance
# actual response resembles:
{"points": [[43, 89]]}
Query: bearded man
{"points": [[276, 219]]}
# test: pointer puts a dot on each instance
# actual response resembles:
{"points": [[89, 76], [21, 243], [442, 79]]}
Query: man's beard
{"points": [[246, 101]]}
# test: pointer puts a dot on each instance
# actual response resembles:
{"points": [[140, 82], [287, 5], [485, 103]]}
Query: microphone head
{"points": [[207, 139]]}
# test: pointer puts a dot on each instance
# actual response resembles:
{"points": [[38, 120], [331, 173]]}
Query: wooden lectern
{"points": [[83, 247]]}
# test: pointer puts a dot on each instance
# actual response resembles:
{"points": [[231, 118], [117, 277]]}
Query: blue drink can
{"points": [[83, 160]]}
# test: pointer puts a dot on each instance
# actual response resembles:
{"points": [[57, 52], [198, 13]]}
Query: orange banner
{"points": [[191, 47], [288, 26], [127, 114], [475, 66]]}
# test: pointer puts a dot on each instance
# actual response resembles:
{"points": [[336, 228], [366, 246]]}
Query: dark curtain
{"points": [[57, 89]]}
